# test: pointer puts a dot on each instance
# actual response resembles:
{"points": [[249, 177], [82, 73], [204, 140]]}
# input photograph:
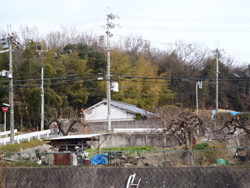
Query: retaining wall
{"points": [[85, 177], [127, 140], [103, 126]]}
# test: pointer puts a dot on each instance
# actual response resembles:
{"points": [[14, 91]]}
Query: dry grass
{"points": [[2, 178], [2, 174]]}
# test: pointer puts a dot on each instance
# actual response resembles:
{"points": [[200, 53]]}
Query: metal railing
{"points": [[27, 136], [140, 130], [6, 133]]}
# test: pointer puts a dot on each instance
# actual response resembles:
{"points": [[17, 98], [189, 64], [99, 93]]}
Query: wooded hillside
{"points": [[147, 77]]}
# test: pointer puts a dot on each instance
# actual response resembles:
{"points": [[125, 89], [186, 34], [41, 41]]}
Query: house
{"points": [[119, 112]]}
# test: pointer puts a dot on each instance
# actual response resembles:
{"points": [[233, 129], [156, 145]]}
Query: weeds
{"points": [[24, 145]]}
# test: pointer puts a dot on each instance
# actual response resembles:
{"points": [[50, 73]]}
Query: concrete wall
{"points": [[95, 127], [125, 140], [100, 177], [103, 126], [100, 113]]}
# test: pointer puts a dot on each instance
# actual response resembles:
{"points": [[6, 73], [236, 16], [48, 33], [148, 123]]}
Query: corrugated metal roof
{"points": [[76, 136]]}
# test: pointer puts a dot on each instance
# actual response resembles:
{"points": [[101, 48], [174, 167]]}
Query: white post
{"points": [[217, 85], [5, 123], [197, 104], [197, 84]]}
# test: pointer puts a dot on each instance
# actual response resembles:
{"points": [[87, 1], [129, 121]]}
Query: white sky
{"points": [[159, 21]]}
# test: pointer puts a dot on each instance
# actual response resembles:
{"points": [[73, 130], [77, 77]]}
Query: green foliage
{"points": [[243, 115], [25, 163], [203, 154], [138, 116], [142, 74], [24, 145], [129, 149], [201, 146]]}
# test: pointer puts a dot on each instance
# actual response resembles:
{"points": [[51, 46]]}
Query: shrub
{"points": [[201, 146], [138, 116]]}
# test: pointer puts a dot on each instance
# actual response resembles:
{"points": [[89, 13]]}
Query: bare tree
{"points": [[59, 39], [70, 128], [230, 127], [29, 33], [182, 127], [188, 57]]}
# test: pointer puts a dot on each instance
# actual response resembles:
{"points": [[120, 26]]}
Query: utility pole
{"points": [[40, 49], [197, 106], [216, 51], [11, 94], [200, 86], [42, 105], [7, 46], [110, 25]]}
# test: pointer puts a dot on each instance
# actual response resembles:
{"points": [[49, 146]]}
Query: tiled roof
{"points": [[128, 107]]}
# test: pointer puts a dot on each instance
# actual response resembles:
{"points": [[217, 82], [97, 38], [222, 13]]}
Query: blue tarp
{"points": [[227, 111], [99, 159]]}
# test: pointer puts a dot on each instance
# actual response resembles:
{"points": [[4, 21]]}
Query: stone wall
{"points": [[100, 177]]}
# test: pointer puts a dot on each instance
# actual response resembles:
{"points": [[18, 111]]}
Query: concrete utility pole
{"points": [[109, 26], [217, 80], [7, 43], [11, 94], [197, 106], [200, 86], [42, 105], [40, 49]]}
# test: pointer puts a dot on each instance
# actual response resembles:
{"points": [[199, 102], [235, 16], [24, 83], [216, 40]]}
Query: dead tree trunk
{"points": [[70, 129]]}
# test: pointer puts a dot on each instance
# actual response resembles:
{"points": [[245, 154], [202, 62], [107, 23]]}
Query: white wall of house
{"points": [[99, 113]]}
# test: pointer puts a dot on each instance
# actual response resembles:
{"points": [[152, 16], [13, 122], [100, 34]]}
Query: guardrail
{"points": [[141, 130], [28, 136], [6, 133]]}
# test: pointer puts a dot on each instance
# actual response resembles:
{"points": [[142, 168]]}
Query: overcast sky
{"points": [[209, 22]]}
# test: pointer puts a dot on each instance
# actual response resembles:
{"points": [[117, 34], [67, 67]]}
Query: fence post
{"points": [[115, 157], [20, 157], [30, 158], [194, 158], [166, 157], [141, 159], [48, 158]]}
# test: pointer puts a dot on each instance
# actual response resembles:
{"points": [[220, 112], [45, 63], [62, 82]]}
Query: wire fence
{"points": [[233, 156]]}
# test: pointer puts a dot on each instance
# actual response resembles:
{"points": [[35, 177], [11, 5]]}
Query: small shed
{"points": [[67, 145], [71, 142]]}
